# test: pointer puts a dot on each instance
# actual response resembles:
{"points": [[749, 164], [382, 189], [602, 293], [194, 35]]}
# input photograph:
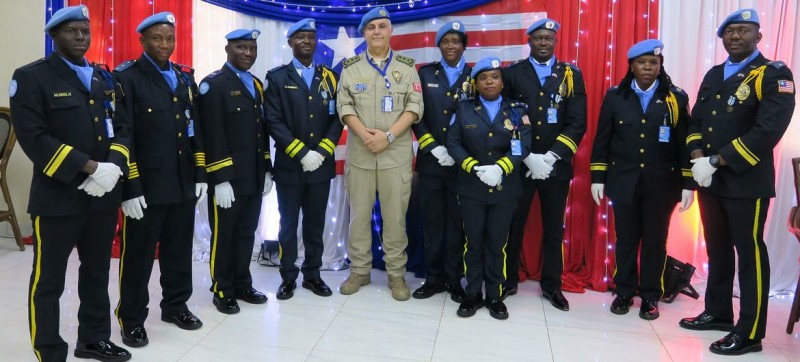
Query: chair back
{"points": [[7, 138], [794, 215]]}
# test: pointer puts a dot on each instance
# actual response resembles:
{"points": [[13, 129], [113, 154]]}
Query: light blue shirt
{"points": [[245, 77], [731, 68], [542, 69], [452, 73], [307, 73], [645, 96], [169, 74], [492, 107], [84, 72]]}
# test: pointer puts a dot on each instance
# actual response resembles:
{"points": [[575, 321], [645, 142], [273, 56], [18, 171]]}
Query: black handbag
{"points": [[677, 280]]}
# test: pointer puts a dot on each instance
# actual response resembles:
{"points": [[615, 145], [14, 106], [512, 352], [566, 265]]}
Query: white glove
{"points": [[550, 158], [267, 184], [200, 189], [92, 187], [687, 198], [597, 192], [702, 171], [106, 175], [440, 152], [311, 161], [538, 169], [491, 175], [223, 195], [134, 208]]}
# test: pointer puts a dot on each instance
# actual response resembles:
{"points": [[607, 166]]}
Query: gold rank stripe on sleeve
{"points": [[468, 164], [294, 147], [506, 165], [133, 171], [327, 145], [686, 172], [568, 141], [598, 166], [743, 151], [123, 150], [55, 161], [693, 137], [200, 159], [425, 140], [215, 166]]}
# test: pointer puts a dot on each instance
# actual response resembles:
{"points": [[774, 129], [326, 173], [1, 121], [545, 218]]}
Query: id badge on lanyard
{"points": [[516, 147], [189, 124], [388, 103], [663, 131]]}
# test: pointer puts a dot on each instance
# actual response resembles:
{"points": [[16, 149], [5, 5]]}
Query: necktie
{"points": [[308, 75]]}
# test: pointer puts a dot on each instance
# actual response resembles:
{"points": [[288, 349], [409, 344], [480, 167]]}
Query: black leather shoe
{"points": [[557, 299], [251, 296], [735, 344], [318, 287], [184, 320], [649, 309], [286, 290], [226, 305], [134, 337], [497, 309], [705, 321], [621, 305], [509, 289], [102, 351], [457, 293], [470, 305], [428, 290]]}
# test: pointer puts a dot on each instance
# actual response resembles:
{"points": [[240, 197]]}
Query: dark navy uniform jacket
{"points": [[167, 158], [564, 90], [61, 126], [234, 132], [627, 144], [302, 119], [746, 133], [441, 102], [474, 140]]}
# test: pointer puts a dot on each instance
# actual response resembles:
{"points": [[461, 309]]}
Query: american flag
{"points": [[785, 86]]}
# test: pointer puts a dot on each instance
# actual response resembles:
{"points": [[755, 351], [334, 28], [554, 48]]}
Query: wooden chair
{"points": [[794, 228], [7, 141]]}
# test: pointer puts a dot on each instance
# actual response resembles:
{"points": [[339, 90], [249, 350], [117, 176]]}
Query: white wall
{"points": [[23, 43]]}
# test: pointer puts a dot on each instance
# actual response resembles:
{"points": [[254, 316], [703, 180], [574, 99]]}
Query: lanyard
{"points": [[383, 71]]}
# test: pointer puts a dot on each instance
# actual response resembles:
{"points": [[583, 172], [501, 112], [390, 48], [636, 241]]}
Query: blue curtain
{"points": [[343, 13], [51, 7]]}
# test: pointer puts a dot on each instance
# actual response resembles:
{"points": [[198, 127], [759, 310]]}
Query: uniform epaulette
{"points": [[214, 74], [570, 65], [777, 64], [678, 90], [184, 68], [33, 64], [124, 66], [518, 62], [352, 60], [404, 59], [273, 70], [613, 87], [101, 67], [431, 64], [522, 105]]}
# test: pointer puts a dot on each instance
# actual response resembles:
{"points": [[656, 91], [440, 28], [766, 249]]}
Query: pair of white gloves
{"points": [[440, 152], [540, 165], [687, 196], [702, 171], [312, 161], [134, 208], [223, 192], [103, 179]]}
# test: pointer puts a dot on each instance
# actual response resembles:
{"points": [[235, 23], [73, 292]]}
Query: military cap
{"points": [[748, 16], [69, 13], [645, 47], [306, 24], [374, 14], [453, 26], [159, 18], [243, 34], [546, 23], [488, 63]]}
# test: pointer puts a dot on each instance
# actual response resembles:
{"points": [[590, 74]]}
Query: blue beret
{"points": [[376, 13], [548, 24], [70, 13], [306, 24], [485, 64], [160, 18], [739, 16], [454, 26], [243, 34], [644, 47]]}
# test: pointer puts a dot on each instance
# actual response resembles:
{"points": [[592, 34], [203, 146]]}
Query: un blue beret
{"points": [[243, 34], [649, 46], [548, 24], [160, 18], [739, 16], [374, 14], [488, 63], [306, 24], [70, 13], [454, 26]]}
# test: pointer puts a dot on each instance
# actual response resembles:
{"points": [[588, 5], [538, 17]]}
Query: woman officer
{"points": [[489, 140], [640, 153]]}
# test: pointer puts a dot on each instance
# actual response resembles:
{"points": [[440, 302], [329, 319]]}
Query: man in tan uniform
{"points": [[380, 97]]}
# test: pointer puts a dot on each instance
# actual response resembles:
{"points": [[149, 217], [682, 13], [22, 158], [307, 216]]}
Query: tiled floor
{"points": [[370, 326]]}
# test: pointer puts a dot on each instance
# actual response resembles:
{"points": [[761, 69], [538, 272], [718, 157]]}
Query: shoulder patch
{"points": [[124, 66], [777, 64], [204, 87], [404, 59], [12, 88], [352, 60]]}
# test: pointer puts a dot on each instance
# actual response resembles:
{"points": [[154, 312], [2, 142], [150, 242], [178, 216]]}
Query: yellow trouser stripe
{"points": [[693, 137], [123, 247], [37, 272], [57, 159], [280, 251], [327, 145], [505, 271], [123, 150], [214, 238], [748, 155], [569, 142], [663, 269], [758, 269], [219, 164]]}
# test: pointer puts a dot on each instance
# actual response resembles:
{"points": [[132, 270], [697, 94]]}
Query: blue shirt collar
{"points": [[492, 107], [743, 62], [459, 66], [72, 65], [535, 63], [636, 88], [169, 64], [299, 65], [234, 69]]}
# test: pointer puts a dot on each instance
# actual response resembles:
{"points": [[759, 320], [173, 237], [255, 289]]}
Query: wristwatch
{"points": [[390, 137], [714, 161]]}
